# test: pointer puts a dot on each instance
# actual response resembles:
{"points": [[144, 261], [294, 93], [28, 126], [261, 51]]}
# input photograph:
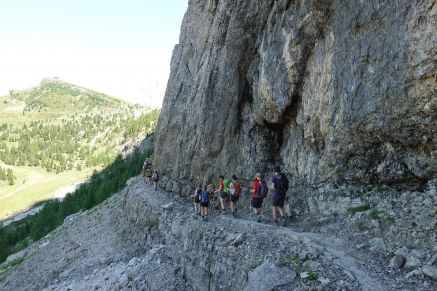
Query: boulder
{"points": [[267, 276], [397, 262]]}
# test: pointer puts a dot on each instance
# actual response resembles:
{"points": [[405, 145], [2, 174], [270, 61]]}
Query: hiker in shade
{"points": [[155, 177], [259, 192], [204, 204], [222, 194], [234, 191], [196, 199], [279, 188]]}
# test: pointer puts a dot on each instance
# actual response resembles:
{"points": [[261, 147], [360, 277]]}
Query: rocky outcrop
{"points": [[334, 91]]}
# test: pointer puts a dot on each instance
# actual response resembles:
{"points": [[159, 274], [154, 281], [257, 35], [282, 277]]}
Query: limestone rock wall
{"points": [[333, 90]]}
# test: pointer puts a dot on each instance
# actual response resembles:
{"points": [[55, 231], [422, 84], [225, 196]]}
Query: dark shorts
{"points": [[234, 198], [257, 202], [204, 204], [223, 194], [156, 180], [196, 200], [278, 200]]}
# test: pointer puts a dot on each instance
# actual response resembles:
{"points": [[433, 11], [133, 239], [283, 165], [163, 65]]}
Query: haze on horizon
{"points": [[122, 48]]}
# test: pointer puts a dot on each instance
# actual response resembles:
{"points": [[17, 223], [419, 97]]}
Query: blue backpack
{"points": [[204, 197]]}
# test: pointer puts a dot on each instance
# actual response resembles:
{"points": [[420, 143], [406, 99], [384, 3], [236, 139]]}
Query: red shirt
{"points": [[221, 185], [256, 185]]}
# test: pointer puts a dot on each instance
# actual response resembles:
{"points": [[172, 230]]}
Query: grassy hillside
{"points": [[56, 134]]}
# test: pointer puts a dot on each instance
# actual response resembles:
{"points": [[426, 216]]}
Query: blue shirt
{"points": [[277, 181]]}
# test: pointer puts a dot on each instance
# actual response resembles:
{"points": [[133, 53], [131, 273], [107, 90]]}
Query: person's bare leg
{"points": [[281, 211], [223, 203], [274, 212]]}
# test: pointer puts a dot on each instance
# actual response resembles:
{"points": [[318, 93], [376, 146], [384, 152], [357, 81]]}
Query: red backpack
{"points": [[237, 187]]}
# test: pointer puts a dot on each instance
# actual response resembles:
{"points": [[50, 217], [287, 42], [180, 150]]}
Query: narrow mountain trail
{"points": [[341, 249], [139, 236]]}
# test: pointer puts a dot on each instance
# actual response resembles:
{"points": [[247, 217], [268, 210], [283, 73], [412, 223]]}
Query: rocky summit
{"points": [[335, 91]]}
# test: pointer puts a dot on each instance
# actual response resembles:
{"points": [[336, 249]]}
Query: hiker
{"points": [[149, 175], [144, 168], [210, 189], [222, 193], [280, 186], [204, 204], [155, 177], [235, 191], [259, 192], [196, 197], [226, 184], [148, 163]]}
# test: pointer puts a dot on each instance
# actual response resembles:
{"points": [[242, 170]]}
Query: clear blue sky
{"points": [[118, 47]]}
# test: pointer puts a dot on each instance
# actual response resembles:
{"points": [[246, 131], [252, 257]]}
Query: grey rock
{"points": [[377, 245], [304, 275], [168, 207], [417, 253], [414, 272], [397, 262], [412, 262], [328, 92], [238, 240], [267, 276], [124, 280], [312, 265], [430, 271], [432, 260]]}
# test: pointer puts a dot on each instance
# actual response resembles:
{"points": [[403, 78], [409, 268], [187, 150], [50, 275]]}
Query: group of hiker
{"points": [[231, 189], [151, 175]]}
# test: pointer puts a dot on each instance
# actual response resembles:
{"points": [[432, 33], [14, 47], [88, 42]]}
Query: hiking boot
{"points": [[258, 218], [284, 221]]}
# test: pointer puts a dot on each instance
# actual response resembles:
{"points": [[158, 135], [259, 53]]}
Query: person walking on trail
{"points": [[149, 174], [210, 189], [222, 194], [155, 177], [227, 183], [259, 192], [235, 191], [204, 204], [144, 168], [280, 186], [196, 196]]}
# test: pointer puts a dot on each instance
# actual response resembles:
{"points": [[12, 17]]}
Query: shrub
{"points": [[360, 208]]}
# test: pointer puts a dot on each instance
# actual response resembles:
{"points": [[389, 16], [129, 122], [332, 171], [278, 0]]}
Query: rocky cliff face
{"points": [[333, 90]]}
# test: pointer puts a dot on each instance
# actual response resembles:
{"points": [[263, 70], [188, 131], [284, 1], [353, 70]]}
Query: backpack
{"points": [[155, 176], [237, 188], [283, 183], [263, 190], [204, 197], [148, 173]]}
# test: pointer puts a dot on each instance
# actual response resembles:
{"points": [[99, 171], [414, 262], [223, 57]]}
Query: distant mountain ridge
{"points": [[54, 94], [56, 134]]}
